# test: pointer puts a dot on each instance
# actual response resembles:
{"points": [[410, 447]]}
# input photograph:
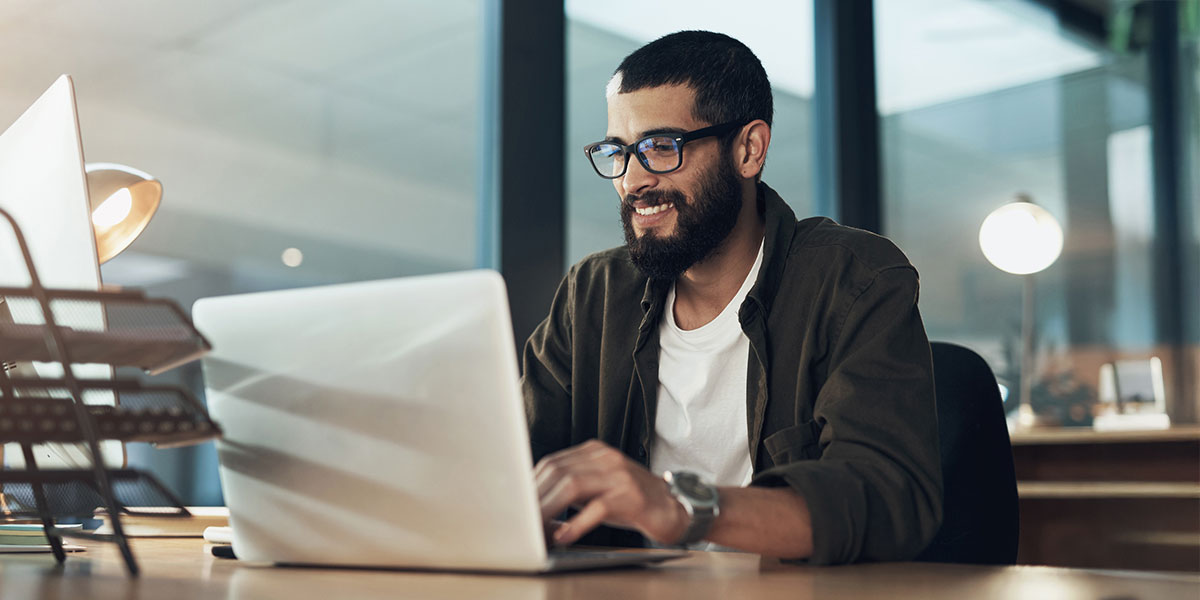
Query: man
{"points": [[730, 375]]}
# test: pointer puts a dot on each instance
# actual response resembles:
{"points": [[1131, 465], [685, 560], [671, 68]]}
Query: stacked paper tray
{"points": [[41, 410], [123, 329]]}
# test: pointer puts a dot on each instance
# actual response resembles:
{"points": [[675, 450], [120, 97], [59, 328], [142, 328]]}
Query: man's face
{"points": [[672, 220]]}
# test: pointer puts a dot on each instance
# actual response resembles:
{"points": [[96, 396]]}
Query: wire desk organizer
{"points": [[124, 329]]}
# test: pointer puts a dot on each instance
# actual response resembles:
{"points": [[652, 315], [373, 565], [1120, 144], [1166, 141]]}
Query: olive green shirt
{"points": [[839, 398]]}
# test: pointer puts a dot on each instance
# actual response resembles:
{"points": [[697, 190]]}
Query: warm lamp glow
{"points": [[113, 210], [123, 201], [1021, 238]]}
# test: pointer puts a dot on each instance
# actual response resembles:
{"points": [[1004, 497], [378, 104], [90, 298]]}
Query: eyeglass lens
{"points": [[661, 154]]}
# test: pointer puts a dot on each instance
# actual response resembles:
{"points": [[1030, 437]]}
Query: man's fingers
{"points": [[578, 475], [587, 448], [554, 467], [575, 487], [549, 526], [584, 452], [586, 520]]}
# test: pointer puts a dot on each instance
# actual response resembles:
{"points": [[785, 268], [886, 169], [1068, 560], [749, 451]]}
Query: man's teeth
{"points": [[653, 210]]}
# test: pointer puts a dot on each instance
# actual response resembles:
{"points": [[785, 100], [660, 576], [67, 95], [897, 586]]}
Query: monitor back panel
{"points": [[43, 186]]}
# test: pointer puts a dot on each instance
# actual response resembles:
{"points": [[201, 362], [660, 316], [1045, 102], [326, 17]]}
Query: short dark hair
{"points": [[729, 81]]}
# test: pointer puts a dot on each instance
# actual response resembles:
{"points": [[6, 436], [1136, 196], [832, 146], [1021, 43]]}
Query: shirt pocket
{"points": [[791, 444]]}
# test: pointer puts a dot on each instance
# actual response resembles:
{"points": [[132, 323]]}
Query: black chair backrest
{"points": [[980, 522]]}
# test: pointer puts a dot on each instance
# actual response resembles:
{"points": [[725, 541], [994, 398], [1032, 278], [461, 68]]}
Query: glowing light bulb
{"points": [[1021, 238], [114, 209], [293, 257]]}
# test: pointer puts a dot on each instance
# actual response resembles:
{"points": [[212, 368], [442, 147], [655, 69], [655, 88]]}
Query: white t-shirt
{"points": [[700, 423]]}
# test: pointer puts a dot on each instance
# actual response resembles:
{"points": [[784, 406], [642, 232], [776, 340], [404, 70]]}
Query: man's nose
{"points": [[636, 178]]}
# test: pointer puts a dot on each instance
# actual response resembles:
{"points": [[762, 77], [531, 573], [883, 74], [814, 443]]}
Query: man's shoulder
{"points": [[608, 263], [609, 270], [836, 245]]}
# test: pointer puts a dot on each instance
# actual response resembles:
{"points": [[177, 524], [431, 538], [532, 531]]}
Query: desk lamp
{"points": [[1022, 238], [122, 201]]}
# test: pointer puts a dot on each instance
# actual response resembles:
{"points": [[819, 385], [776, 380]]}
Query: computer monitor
{"points": [[44, 187]]}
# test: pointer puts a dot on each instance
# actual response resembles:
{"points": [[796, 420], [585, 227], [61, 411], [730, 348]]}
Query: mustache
{"points": [[654, 198]]}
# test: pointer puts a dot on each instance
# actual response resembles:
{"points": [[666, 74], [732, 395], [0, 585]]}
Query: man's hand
{"points": [[611, 489]]}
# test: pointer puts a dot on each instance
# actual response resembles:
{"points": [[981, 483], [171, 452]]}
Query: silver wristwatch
{"points": [[700, 501]]}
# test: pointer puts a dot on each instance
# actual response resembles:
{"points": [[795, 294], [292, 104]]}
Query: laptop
{"points": [[379, 424]]}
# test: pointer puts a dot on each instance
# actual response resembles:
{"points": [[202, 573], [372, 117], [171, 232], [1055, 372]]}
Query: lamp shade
{"points": [[1021, 238], [123, 199]]}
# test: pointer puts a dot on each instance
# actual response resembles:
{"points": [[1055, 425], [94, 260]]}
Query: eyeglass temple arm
{"points": [[710, 130]]}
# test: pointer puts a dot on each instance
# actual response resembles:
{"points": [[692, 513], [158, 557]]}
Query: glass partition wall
{"points": [[981, 101], [298, 143]]}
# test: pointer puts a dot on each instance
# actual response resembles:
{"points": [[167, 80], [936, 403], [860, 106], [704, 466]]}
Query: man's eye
{"points": [[658, 145], [608, 151]]}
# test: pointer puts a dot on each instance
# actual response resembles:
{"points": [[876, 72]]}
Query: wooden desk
{"points": [[182, 569], [1084, 435]]}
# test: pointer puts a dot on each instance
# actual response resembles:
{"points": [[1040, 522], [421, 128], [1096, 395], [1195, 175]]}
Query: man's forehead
{"points": [[653, 108], [614, 85]]}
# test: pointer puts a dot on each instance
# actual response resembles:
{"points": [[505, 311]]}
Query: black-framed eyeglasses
{"points": [[659, 153]]}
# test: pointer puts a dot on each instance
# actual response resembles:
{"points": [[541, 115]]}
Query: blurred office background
{"points": [[369, 136]]}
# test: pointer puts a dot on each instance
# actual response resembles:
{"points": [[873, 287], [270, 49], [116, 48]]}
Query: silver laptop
{"points": [[379, 424]]}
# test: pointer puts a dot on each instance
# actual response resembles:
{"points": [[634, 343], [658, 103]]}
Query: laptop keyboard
{"points": [[598, 559]]}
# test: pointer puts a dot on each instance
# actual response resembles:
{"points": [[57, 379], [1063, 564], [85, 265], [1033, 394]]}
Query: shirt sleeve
{"points": [[875, 493], [546, 374]]}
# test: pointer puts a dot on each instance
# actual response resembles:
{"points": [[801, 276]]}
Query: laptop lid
{"points": [[374, 424]]}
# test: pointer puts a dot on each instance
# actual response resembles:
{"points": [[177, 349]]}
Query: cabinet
{"points": [[1110, 500]]}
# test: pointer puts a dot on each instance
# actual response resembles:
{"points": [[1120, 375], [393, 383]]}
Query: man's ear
{"points": [[751, 148]]}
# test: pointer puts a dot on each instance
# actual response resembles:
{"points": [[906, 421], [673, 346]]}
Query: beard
{"points": [[701, 224]]}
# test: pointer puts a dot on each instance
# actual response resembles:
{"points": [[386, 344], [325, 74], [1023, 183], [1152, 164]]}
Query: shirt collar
{"points": [[780, 223]]}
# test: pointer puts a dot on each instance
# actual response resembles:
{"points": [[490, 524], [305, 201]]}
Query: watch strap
{"points": [[701, 523], [701, 514]]}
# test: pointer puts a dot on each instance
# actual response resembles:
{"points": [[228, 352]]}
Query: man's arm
{"points": [[610, 488], [876, 491], [767, 521], [546, 374]]}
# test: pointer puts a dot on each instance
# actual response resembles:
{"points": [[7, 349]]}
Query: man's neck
{"points": [[704, 290]]}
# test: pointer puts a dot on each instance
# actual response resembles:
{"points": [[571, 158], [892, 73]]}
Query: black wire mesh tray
{"points": [[119, 328], [73, 492], [116, 328], [41, 410]]}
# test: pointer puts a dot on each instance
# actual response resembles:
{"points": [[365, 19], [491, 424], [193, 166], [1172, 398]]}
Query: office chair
{"points": [[980, 523]]}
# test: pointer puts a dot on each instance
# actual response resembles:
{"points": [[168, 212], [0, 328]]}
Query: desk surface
{"points": [[1086, 435], [182, 569]]}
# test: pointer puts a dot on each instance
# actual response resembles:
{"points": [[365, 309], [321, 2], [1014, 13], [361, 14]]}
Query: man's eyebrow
{"points": [[647, 133]]}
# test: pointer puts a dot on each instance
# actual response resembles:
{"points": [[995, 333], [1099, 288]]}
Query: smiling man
{"points": [[731, 377]]}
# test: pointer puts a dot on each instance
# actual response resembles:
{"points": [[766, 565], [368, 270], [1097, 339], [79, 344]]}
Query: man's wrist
{"points": [[700, 503], [681, 519]]}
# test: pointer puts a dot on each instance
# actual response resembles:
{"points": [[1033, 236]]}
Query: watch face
{"points": [[692, 486]]}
